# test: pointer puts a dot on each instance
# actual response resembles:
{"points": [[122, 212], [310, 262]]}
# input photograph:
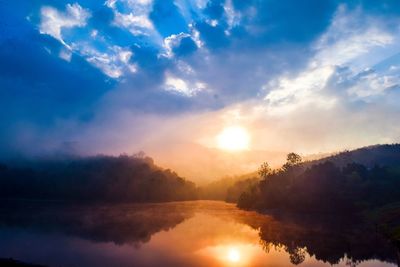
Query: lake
{"points": [[194, 233]]}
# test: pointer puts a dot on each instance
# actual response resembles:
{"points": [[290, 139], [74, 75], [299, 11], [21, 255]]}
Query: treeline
{"points": [[95, 179], [323, 187]]}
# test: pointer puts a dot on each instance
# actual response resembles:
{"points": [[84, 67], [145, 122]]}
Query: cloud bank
{"points": [[124, 75]]}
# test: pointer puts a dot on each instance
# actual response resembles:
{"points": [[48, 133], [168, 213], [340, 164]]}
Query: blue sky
{"points": [[123, 75]]}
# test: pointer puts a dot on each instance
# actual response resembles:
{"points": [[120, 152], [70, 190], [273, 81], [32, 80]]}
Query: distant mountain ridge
{"points": [[382, 155]]}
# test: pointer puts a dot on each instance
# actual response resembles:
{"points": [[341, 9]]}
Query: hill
{"points": [[94, 179], [382, 155], [364, 182]]}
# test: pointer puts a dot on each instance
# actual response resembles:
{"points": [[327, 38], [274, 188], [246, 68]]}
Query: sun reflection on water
{"points": [[234, 254]]}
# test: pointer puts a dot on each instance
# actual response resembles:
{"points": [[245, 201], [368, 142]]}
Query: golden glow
{"points": [[234, 138], [233, 255]]}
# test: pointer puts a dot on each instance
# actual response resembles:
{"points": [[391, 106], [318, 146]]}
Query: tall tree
{"points": [[264, 170]]}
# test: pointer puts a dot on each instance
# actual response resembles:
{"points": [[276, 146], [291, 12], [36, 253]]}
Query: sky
{"points": [[119, 76]]}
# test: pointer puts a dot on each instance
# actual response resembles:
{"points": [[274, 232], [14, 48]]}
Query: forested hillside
{"points": [[339, 183], [95, 179]]}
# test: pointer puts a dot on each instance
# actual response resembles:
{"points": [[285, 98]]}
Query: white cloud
{"points": [[135, 24], [137, 19], [351, 36], [144, 2], [53, 21], [105, 62], [288, 94], [186, 88], [176, 84], [372, 83], [233, 17], [125, 55], [65, 54], [94, 33], [133, 68], [110, 3], [185, 68], [112, 62], [213, 22], [349, 43], [196, 36], [173, 41]]}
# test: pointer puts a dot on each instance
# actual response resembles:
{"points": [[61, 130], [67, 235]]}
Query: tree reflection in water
{"points": [[329, 240], [120, 224]]}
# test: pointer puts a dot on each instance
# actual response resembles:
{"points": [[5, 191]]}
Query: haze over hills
{"points": [[218, 174], [203, 164], [195, 162], [137, 179], [376, 157]]}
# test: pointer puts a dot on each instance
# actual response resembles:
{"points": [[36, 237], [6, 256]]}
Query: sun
{"points": [[233, 255], [233, 138]]}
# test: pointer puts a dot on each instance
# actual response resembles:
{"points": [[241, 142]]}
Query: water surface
{"points": [[198, 233]]}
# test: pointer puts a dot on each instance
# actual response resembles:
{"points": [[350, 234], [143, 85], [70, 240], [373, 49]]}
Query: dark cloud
{"points": [[39, 88], [34, 78]]}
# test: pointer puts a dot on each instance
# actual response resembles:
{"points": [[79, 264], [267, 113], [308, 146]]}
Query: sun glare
{"points": [[234, 138], [233, 255]]}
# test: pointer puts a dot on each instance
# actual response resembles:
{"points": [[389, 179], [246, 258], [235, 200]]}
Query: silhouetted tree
{"points": [[264, 170], [292, 160], [297, 255]]}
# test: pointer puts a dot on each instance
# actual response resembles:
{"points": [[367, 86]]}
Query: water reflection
{"points": [[201, 233], [101, 223], [328, 239]]}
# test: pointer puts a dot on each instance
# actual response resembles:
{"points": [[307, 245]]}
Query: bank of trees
{"points": [[95, 179], [323, 187]]}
